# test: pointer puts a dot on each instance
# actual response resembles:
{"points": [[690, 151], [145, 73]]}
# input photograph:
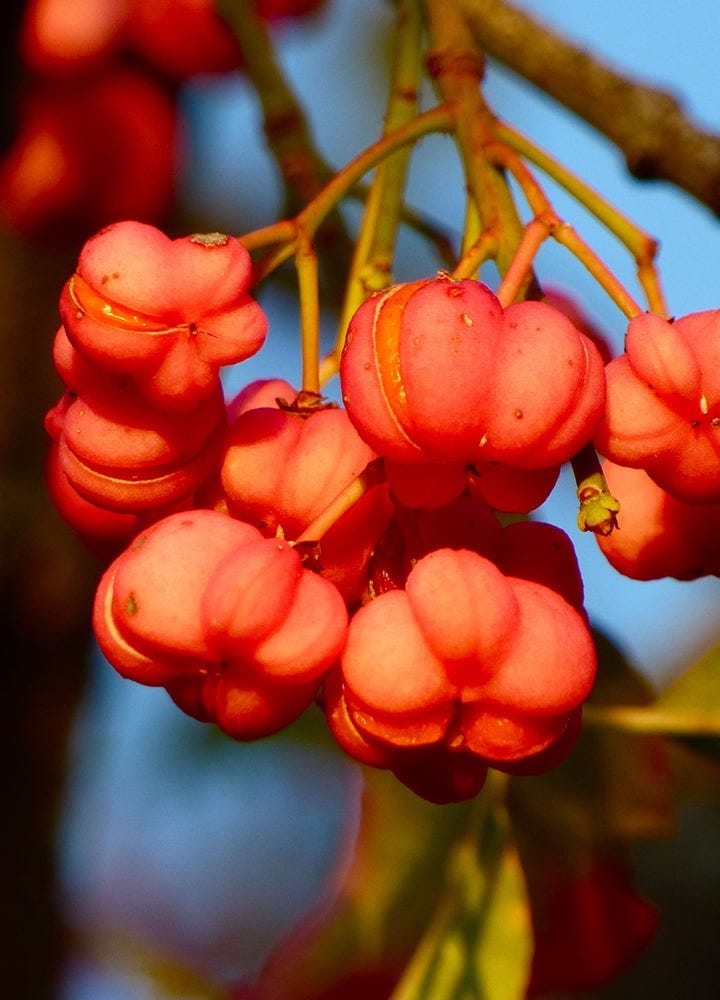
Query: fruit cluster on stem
{"points": [[278, 548]]}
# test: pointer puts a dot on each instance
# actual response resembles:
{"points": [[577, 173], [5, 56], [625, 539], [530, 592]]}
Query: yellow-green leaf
{"points": [[688, 707], [505, 949], [479, 943]]}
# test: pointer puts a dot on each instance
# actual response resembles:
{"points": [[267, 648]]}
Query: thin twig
{"points": [[648, 126]]}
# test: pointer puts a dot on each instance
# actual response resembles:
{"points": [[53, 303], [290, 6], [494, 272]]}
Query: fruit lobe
{"points": [[437, 372]]}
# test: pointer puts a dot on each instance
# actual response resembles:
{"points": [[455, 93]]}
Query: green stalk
{"points": [[371, 268], [457, 66]]}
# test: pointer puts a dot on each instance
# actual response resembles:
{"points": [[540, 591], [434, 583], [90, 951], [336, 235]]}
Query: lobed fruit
{"points": [[468, 647], [104, 532], [533, 550], [227, 620], [465, 658], [435, 484], [663, 404], [281, 468], [167, 313], [120, 453], [437, 371], [567, 305], [658, 535]]}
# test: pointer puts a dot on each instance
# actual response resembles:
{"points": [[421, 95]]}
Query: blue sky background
{"points": [[214, 822]]}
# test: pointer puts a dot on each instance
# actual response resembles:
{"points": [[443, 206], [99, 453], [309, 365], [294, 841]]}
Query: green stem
{"points": [[438, 119], [277, 232], [457, 68], [642, 246], [456, 65], [289, 139], [371, 268], [306, 264], [566, 235], [547, 223], [484, 248], [444, 965], [472, 236], [536, 232], [651, 720]]}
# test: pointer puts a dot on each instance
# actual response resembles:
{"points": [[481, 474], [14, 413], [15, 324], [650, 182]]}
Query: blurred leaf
{"points": [[617, 682], [687, 709], [433, 905], [575, 826], [393, 885], [478, 945], [615, 787], [163, 971], [506, 948]]}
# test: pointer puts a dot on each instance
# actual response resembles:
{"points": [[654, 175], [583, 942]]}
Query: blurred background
{"points": [[181, 858]]}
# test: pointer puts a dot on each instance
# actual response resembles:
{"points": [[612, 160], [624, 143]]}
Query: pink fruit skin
{"points": [[282, 469], [120, 453], [483, 647], [228, 621], [659, 536], [105, 533], [451, 376], [663, 405], [168, 313]]}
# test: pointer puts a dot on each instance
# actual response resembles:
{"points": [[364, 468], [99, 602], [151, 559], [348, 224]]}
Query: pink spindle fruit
{"points": [[228, 621], [663, 404], [167, 313], [437, 371], [282, 468]]}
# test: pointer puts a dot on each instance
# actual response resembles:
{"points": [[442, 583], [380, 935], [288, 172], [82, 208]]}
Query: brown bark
{"points": [[648, 126]]}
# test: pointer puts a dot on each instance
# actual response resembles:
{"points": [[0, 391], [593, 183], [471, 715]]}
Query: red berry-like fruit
{"points": [[429, 485], [167, 313], [659, 536], [104, 532], [182, 38], [663, 404], [58, 39], [178, 38], [533, 550], [567, 305], [228, 621], [120, 453], [467, 655], [437, 371], [282, 468], [88, 152]]}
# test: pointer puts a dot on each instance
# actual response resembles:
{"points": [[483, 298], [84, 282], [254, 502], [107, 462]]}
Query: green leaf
{"points": [[688, 707], [505, 949], [479, 943], [615, 786]]}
